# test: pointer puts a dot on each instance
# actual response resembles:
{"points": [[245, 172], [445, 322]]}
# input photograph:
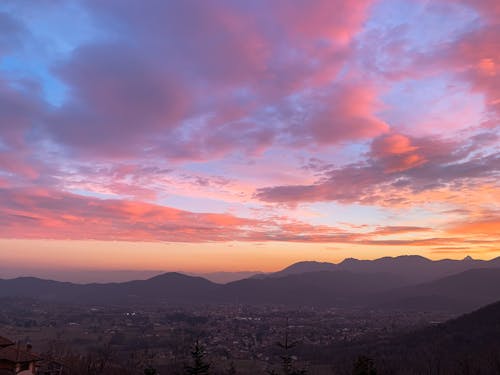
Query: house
{"points": [[15, 359], [4, 342]]}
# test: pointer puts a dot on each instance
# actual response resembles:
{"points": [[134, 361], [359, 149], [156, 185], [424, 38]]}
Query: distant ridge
{"points": [[413, 268], [226, 277], [385, 283], [169, 287], [115, 276], [307, 266]]}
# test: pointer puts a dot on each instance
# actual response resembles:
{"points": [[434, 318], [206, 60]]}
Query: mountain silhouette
{"points": [[412, 268], [169, 287], [375, 284]]}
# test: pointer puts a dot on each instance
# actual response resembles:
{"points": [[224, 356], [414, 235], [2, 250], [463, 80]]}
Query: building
{"points": [[15, 359], [4, 342]]}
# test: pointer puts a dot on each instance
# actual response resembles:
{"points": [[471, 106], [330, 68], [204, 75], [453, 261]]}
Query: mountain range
{"points": [[412, 268], [408, 282]]}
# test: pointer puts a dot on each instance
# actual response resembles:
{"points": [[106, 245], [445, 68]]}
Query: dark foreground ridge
{"points": [[469, 344]]}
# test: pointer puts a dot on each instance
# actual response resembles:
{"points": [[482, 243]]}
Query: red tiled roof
{"points": [[5, 342], [16, 355]]}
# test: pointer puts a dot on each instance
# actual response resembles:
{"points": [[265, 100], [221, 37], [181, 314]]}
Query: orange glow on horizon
{"points": [[234, 256]]}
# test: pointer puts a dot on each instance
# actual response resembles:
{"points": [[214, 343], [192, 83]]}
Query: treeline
{"points": [[409, 355]]}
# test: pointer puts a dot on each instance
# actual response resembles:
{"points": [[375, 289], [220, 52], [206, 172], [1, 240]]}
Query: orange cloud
{"points": [[488, 227], [45, 214]]}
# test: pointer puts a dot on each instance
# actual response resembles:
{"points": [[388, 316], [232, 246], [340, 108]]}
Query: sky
{"points": [[246, 135]]}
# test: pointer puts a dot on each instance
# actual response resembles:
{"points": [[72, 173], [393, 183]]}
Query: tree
{"points": [[150, 371], [287, 366], [364, 366], [199, 366]]}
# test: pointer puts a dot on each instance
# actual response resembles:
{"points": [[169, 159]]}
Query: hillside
{"points": [[338, 288], [469, 344], [461, 292]]}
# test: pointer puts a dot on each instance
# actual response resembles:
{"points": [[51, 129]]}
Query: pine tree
{"points": [[286, 358], [287, 366], [198, 366]]}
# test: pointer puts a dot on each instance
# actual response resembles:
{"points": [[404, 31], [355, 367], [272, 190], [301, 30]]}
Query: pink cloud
{"points": [[38, 213], [392, 144], [346, 113], [476, 57], [193, 79], [227, 42], [172, 85], [49, 214], [427, 165], [472, 57], [19, 165], [396, 153]]}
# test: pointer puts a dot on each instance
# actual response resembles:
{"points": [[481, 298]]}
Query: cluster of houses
{"points": [[20, 360]]}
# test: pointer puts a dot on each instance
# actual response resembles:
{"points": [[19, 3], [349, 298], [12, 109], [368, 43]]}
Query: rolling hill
{"points": [[168, 287]]}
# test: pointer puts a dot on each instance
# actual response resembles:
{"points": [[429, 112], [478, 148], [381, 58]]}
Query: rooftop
{"points": [[5, 342], [15, 354]]}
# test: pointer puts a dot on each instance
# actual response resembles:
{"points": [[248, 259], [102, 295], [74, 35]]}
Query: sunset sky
{"points": [[246, 135]]}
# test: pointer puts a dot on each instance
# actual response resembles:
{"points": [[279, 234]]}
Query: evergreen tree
{"points": [[287, 366], [286, 358], [198, 366]]}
